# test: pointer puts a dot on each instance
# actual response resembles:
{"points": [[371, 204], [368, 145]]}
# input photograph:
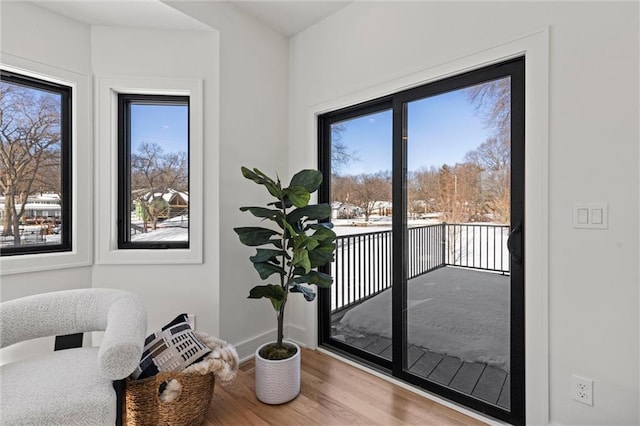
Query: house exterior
{"points": [[176, 203], [42, 207]]}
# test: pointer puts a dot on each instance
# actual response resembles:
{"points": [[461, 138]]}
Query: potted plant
{"points": [[292, 250]]}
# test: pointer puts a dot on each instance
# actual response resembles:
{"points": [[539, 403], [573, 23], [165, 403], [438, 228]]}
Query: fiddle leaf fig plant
{"points": [[292, 248]]}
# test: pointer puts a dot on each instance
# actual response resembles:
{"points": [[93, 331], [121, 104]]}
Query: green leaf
{"points": [[312, 244], [275, 293], [316, 226], [266, 269], [298, 195], [292, 232], [324, 235], [301, 259], [278, 204], [255, 236], [262, 212], [321, 255], [258, 177], [314, 277], [311, 212], [266, 255], [251, 175], [308, 293], [309, 179]]}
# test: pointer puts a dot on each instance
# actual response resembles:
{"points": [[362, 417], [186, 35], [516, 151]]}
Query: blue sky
{"points": [[441, 130], [166, 125]]}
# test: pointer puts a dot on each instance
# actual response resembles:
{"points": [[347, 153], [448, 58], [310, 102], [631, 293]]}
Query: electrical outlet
{"points": [[583, 390]]}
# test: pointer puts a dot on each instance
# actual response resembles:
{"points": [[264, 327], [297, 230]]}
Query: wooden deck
{"points": [[486, 382]]}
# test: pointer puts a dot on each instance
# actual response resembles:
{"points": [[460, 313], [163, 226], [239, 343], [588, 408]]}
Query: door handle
{"points": [[515, 246]]}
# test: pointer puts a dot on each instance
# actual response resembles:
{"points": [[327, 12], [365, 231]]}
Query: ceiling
{"points": [[289, 17], [285, 17], [134, 13]]}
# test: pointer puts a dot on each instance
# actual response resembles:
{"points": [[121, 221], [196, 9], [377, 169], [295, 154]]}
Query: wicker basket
{"points": [[143, 407]]}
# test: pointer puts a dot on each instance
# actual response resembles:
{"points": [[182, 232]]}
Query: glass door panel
{"points": [[360, 195], [458, 188], [427, 193]]}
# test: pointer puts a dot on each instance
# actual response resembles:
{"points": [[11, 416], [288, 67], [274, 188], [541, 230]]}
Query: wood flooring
{"points": [[332, 393]]}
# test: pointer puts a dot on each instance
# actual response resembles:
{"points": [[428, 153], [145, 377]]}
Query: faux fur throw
{"points": [[222, 361]]}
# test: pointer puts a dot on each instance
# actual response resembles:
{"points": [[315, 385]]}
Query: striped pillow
{"points": [[173, 348]]}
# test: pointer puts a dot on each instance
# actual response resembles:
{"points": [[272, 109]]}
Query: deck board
{"points": [[362, 342], [467, 377], [490, 384], [445, 370], [505, 396], [413, 354], [426, 364], [379, 345]]}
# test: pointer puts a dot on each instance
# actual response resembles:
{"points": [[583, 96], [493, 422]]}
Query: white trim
{"points": [[535, 47], [247, 349], [81, 160], [107, 89]]}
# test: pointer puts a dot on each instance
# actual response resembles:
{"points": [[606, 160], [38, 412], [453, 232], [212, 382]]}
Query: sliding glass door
{"points": [[427, 192]]}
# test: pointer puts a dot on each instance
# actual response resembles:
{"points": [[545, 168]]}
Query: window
{"points": [[35, 165], [153, 171]]}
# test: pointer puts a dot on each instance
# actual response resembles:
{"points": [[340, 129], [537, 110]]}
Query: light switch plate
{"points": [[591, 215]]}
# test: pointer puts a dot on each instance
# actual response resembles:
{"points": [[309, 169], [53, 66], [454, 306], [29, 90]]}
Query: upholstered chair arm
{"points": [[118, 313], [123, 339]]}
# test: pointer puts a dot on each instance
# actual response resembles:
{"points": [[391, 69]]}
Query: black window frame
{"points": [[66, 163], [125, 100]]}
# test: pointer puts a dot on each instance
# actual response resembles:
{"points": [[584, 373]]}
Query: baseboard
{"points": [[296, 334], [247, 349]]}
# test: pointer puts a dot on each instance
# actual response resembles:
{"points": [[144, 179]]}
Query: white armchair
{"points": [[71, 386]]}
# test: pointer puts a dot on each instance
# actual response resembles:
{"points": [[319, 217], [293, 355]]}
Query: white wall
{"points": [[253, 133], [33, 37], [32, 34], [169, 289], [593, 144], [244, 66], [37, 34]]}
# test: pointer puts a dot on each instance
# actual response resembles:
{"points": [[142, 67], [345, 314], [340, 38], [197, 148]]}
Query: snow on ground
{"points": [[375, 224], [174, 229], [163, 234], [31, 235]]}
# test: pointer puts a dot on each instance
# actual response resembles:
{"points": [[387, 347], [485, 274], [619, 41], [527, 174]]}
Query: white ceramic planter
{"points": [[277, 382]]}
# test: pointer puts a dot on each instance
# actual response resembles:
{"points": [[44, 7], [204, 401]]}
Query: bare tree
{"points": [[341, 156], [422, 189], [153, 173], [365, 190], [493, 101], [30, 145], [493, 157]]}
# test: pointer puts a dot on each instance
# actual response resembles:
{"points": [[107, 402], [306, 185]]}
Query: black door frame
{"points": [[513, 68]]}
